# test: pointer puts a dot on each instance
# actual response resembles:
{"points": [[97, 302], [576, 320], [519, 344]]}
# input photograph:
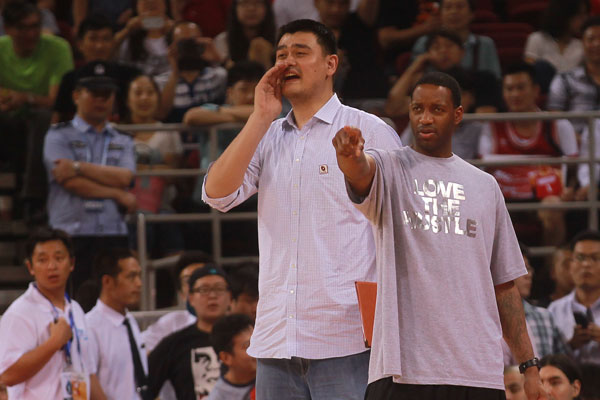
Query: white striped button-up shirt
{"points": [[313, 243]]}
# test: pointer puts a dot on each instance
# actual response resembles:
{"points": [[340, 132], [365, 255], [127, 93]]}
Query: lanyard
{"points": [[67, 346], [104, 149]]}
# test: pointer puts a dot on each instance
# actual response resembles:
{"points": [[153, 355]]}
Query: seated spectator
{"points": [[445, 53], [186, 358], [400, 23], [153, 150], [230, 338], [142, 43], [188, 262], [519, 138], [244, 289], [560, 273], [31, 67], [43, 331], [545, 337], [250, 33], [95, 43], [577, 89], [557, 42], [561, 377], [89, 167], [359, 74], [239, 104], [118, 12], [49, 25], [116, 344], [514, 383], [578, 313], [480, 51], [195, 77]]}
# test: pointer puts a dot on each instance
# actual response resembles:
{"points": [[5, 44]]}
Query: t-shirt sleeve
{"points": [[488, 56], [583, 169], [380, 135], [566, 138], [557, 95], [14, 346], [371, 205], [506, 261], [419, 47], [55, 147], [532, 46], [62, 62]]}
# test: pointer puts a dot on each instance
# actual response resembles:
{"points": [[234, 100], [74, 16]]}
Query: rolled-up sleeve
{"points": [[55, 148], [12, 345]]}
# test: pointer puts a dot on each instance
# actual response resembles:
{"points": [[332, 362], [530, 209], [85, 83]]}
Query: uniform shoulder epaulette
{"points": [[60, 125], [122, 132]]}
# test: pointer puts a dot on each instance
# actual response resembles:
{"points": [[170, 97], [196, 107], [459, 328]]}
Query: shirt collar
{"points": [[471, 39], [84, 127], [326, 113], [113, 316], [577, 306], [38, 298]]}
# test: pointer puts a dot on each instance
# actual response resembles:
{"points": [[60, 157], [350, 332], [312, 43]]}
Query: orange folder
{"points": [[367, 295]]}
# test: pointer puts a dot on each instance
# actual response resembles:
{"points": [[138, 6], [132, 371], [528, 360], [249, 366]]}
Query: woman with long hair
{"points": [[250, 33]]}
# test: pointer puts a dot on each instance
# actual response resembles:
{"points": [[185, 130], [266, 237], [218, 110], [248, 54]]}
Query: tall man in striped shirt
{"points": [[307, 338]]}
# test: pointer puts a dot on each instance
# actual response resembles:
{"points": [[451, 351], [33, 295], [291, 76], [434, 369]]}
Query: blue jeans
{"points": [[341, 378]]}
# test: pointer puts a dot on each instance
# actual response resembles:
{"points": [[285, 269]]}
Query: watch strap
{"points": [[534, 362]]}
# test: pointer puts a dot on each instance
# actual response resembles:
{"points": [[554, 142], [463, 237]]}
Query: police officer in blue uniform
{"points": [[90, 166]]}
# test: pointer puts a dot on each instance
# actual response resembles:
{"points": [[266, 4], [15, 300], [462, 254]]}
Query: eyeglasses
{"points": [[580, 257], [206, 290]]}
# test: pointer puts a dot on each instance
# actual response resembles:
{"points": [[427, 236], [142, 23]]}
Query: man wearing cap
{"points": [[90, 165], [186, 358]]}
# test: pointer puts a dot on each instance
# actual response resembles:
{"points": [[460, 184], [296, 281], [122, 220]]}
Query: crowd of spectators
{"points": [[197, 62]]}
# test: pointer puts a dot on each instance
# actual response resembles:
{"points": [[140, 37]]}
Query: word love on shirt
{"points": [[441, 209]]}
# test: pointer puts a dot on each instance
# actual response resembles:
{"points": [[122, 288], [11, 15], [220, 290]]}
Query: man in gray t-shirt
{"points": [[447, 256]]}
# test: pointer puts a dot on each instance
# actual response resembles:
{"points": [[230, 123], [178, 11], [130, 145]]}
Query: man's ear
{"points": [[458, 114], [332, 64], [107, 281], [225, 357], [29, 267]]}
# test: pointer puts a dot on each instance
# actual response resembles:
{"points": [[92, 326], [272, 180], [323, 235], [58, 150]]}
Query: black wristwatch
{"points": [[534, 362]]}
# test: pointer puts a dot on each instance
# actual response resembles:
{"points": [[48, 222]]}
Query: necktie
{"points": [[141, 380]]}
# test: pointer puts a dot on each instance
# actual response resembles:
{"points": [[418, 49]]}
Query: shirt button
{"points": [[295, 186], [291, 316], [292, 291], [293, 265], [302, 137], [294, 240], [294, 213], [297, 160]]}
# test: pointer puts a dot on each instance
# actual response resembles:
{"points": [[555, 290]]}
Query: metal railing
{"points": [[215, 217]]}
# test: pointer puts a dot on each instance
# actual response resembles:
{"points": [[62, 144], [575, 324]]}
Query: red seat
{"points": [[485, 16], [510, 55], [488, 28], [509, 39], [529, 12]]}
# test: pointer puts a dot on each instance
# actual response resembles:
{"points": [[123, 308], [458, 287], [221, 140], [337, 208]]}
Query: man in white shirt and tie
{"points": [[117, 348]]}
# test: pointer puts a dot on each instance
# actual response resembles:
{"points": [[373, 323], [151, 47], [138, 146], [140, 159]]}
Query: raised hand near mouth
{"points": [[267, 95]]}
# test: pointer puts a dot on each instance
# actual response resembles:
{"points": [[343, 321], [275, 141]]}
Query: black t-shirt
{"points": [[123, 74], [365, 78], [187, 359]]}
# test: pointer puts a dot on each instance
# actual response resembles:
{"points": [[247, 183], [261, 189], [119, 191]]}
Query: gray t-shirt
{"points": [[224, 390], [444, 239]]}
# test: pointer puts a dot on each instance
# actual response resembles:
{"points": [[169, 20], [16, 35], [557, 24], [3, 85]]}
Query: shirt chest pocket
{"points": [[80, 150], [114, 154]]}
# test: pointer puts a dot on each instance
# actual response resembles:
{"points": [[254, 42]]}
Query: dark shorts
{"points": [[386, 389]]}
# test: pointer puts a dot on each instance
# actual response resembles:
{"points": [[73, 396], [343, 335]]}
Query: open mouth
{"points": [[290, 76]]}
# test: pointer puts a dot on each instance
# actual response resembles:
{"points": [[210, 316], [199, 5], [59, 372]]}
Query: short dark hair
{"points": [[245, 71], [590, 22], [564, 363], [325, 36], [440, 79], [17, 10], [471, 4], [107, 262], [226, 329], [94, 22], [585, 235], [46, 234], [243, 278], [520, 68], [453, 37], [188, 258]]}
